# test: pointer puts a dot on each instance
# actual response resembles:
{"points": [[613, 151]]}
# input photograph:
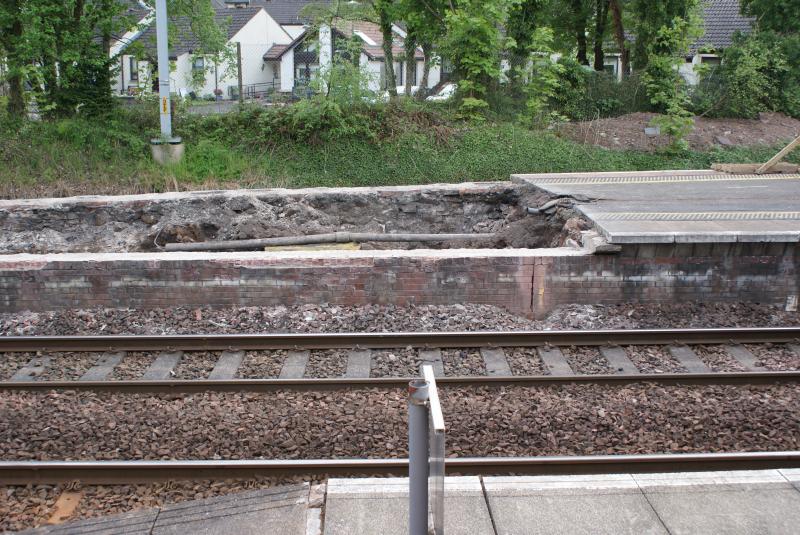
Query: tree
{"points": [[10, 37], [425, 22], [386, 11], [615, 7], [579, 16], [61, 49], [650, 17], [473, 43], [780, 16], [600, 19]]}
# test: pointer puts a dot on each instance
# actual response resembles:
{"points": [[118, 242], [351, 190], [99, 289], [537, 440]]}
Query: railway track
{"points": [[170, 350], [127, 472]]}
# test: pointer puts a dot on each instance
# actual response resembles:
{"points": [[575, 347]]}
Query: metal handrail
{"points": [[426, 434]]}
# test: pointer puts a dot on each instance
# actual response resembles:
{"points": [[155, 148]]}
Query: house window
{"points": [[134, 69], [199, 64]]}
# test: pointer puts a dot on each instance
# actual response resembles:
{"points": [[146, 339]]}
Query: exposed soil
{"points": [[627, 132], [147, 223]]}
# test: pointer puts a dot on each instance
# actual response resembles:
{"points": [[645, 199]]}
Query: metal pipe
{"points": [[162, 44], [546, 206], [418, 457], [333, 237]]}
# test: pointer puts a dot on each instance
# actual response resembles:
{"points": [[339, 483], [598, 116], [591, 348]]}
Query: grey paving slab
{"points": [[618, 359], [280, 510], [744, 356], [570, 505], [104, 367], [359, 362], [554, 359], [688, 359], [227, 365], [162, 367], [133, 523], [34, 368], [495, 362], [434, 358], [792, 475], [755, 502], [683, 206], [294, 367], [373, 506]]}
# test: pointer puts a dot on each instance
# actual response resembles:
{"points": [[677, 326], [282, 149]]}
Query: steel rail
{"points": [[343, 383], [223, 342], [123, 472]]}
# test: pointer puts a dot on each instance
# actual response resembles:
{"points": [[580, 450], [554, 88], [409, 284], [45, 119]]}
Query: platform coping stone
{"points": [[31, 370], [294, 367], [227, 365], [744, 356], [432, 357], [104, 367], [618, 359], [162, 368], [495, 361], [688, 359], [554, 359], [359, 362]]}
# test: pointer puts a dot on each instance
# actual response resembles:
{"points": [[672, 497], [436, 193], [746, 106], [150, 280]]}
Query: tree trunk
{"points": [[601, 16], [422, 92], [388, 56], [9, 38], [579, 18], [619, 36], [411, 62]]}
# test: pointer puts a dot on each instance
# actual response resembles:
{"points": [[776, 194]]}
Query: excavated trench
{"points": [[151, 222]]}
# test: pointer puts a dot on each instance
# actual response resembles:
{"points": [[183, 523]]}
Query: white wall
{"points": [[688, 71], [287, 71], [294, 30]]}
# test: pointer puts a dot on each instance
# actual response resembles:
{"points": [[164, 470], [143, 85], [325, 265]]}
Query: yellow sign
{"points": [[164, 105]]}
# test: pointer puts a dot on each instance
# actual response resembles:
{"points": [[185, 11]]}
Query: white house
{"points": [[278, 54], [299, 60], [251, 28], [721, 20]]}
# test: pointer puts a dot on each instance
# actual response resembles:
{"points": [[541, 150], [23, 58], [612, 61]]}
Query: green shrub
{"points": [[752, 71]]}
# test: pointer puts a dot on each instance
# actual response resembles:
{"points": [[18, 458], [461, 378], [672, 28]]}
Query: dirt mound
{"points": [[628, 132]]}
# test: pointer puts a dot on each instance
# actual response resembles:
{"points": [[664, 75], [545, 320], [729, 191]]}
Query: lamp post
{"points": [[166, 149]]}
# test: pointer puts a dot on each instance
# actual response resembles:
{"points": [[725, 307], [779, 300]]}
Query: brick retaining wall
{"points": [[530, 282]]}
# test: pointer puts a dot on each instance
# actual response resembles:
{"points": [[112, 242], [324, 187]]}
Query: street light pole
{"points": [[166, 149], [162, 44]]}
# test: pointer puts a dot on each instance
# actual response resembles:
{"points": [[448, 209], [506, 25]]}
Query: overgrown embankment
{"points": [[308, 144]]}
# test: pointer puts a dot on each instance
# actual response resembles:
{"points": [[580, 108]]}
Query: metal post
{"points": [[162, 40], [418, 457], [239, 70]]}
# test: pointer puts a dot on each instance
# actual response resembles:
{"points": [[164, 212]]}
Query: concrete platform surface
{"points": [[764, 502], [372, 506], [682, 206]]}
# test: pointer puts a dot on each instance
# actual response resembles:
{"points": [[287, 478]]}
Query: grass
{"points": [[73, 157]]}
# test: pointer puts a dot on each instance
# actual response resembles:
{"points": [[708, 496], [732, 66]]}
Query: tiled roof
{"points": [[721, 19], [373, 34], [185, 42], [283, 11], [275, 52]]}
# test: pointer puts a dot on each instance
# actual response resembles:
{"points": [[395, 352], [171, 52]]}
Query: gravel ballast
{"points": [[586, 360], [569, 419], [379, 318], [525, 361]]}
